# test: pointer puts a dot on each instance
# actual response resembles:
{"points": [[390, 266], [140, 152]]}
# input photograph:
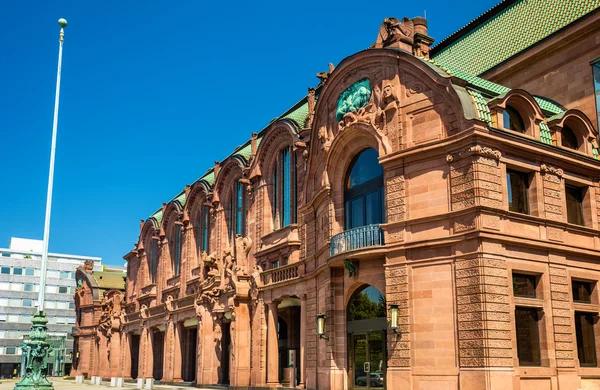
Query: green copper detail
{"points": [[353, 98], [36, 351]]}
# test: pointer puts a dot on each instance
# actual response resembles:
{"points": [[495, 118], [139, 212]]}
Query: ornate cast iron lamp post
{"points": [[37, 348]]}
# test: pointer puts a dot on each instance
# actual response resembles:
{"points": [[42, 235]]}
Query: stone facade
{"points": [[221, 290]]}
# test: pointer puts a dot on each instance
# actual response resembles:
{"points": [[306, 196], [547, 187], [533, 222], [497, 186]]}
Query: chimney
{"points": [[422, 43]]}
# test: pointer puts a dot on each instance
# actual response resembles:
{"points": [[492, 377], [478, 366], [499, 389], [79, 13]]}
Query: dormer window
{"points": [[568, 138], [512, 120]]}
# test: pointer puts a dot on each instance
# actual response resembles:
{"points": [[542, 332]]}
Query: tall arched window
{"points": [[513, 120], [175, 249], [236, 213], [152, 258], [202, 230], [363, 194], [284, 189]]}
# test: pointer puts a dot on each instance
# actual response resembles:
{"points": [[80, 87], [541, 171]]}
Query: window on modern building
{"points": [[284, 189], [29, 271], [63, 290], [175, 248], [65, 275], [16, 286], [586, 344], [363, 196], [62, 305], [53, 274], [5, 270], [568, 138], [582, 291], [10, 350], [52, 289], [71, 305], [50, 304], [528, 338], [596, 73], [25, 319], [17, 271], [524, 285], [3, 302], [574, 197], [518, 191], [513, 120], [27, 287], [27, 302], [14, 302], [4, 286], [13, 318]]}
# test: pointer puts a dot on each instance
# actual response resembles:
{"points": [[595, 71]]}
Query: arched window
{"points": [[152, 258], [568, 138], [284, 189], [236, 213], [513, 120], [202, 230], [363, 195], [175, 249]]}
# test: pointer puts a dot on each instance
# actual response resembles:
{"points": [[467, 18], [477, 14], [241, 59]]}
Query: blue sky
{"points": [[154, 92]]}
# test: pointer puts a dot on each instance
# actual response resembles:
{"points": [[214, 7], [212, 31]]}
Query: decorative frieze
{"points": [[561, 317], [553, 192], [396, 279]]}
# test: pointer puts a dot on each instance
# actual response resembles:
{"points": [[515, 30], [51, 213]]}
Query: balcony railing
{"points": [[281, 274], [357, 238]]}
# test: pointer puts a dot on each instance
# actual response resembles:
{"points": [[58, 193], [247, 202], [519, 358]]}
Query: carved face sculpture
{"points": [[387, 92]]}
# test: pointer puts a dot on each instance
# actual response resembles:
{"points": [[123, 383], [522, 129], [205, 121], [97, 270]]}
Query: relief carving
{"points": [[544, 168], [392, 31], [475, 150]]}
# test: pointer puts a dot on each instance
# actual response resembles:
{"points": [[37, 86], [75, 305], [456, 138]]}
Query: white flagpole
{"points": [[42, 293]]}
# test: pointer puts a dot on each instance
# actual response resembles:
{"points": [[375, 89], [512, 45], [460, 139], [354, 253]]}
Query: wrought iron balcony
{"points": [[357, 238]]}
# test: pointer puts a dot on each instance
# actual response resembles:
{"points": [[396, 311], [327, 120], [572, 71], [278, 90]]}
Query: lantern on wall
{"points": [[321, 326], [393, 317]]}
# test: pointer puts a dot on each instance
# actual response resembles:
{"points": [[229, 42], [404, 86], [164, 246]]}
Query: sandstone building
{"points": [[426, 217]]}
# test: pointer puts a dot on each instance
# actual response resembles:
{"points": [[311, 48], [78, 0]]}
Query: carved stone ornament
{"points": [[392, 30], [552, 170], [353, 98], [324, 138], [475, 150]]}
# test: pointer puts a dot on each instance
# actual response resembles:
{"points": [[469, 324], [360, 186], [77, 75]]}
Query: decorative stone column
{"points": [[177, 351], [302, 338], [272, 346]]}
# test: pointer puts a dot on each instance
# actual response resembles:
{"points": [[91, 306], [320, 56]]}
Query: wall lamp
{"points": [[321, 326], [393, 309]]}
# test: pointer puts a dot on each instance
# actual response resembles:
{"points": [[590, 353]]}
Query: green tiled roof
{"points": [[545, 135], [181, 198], [158, 216], [483, 111], [298, 115], [549, 106], [209, 177], [506, 30]]}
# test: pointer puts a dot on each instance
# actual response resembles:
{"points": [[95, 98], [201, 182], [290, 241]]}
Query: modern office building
{"points": [[426, 217], [20, 267]]}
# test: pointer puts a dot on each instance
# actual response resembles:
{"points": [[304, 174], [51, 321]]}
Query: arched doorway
{"points": [[366, 324]]}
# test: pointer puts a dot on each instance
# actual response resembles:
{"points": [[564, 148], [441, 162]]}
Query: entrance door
{"points": [[367, 358], [158, 350], [135, 355]]}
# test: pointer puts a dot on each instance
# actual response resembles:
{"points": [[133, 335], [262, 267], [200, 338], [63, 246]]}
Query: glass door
{"points": [[367, 359]]}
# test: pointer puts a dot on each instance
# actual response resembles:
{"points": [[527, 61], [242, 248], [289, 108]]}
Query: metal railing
{"points": [[357, 238]]}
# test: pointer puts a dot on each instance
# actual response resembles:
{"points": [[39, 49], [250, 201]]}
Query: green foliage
{"points": [[361, 307]]}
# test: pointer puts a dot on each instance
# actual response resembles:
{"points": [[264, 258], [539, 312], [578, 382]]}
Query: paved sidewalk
{"points": [[60, 384]]}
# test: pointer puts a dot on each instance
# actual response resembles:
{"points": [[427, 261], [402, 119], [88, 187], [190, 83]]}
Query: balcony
{"points": [[282, 274], [357, 238]]}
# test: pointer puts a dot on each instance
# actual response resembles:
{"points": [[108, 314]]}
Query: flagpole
{"points": [[37, 349], [42, 293]]}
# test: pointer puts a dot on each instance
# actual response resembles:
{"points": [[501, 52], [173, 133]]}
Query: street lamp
{"points": [[35, 363], [394, 317], [321, 326]]}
